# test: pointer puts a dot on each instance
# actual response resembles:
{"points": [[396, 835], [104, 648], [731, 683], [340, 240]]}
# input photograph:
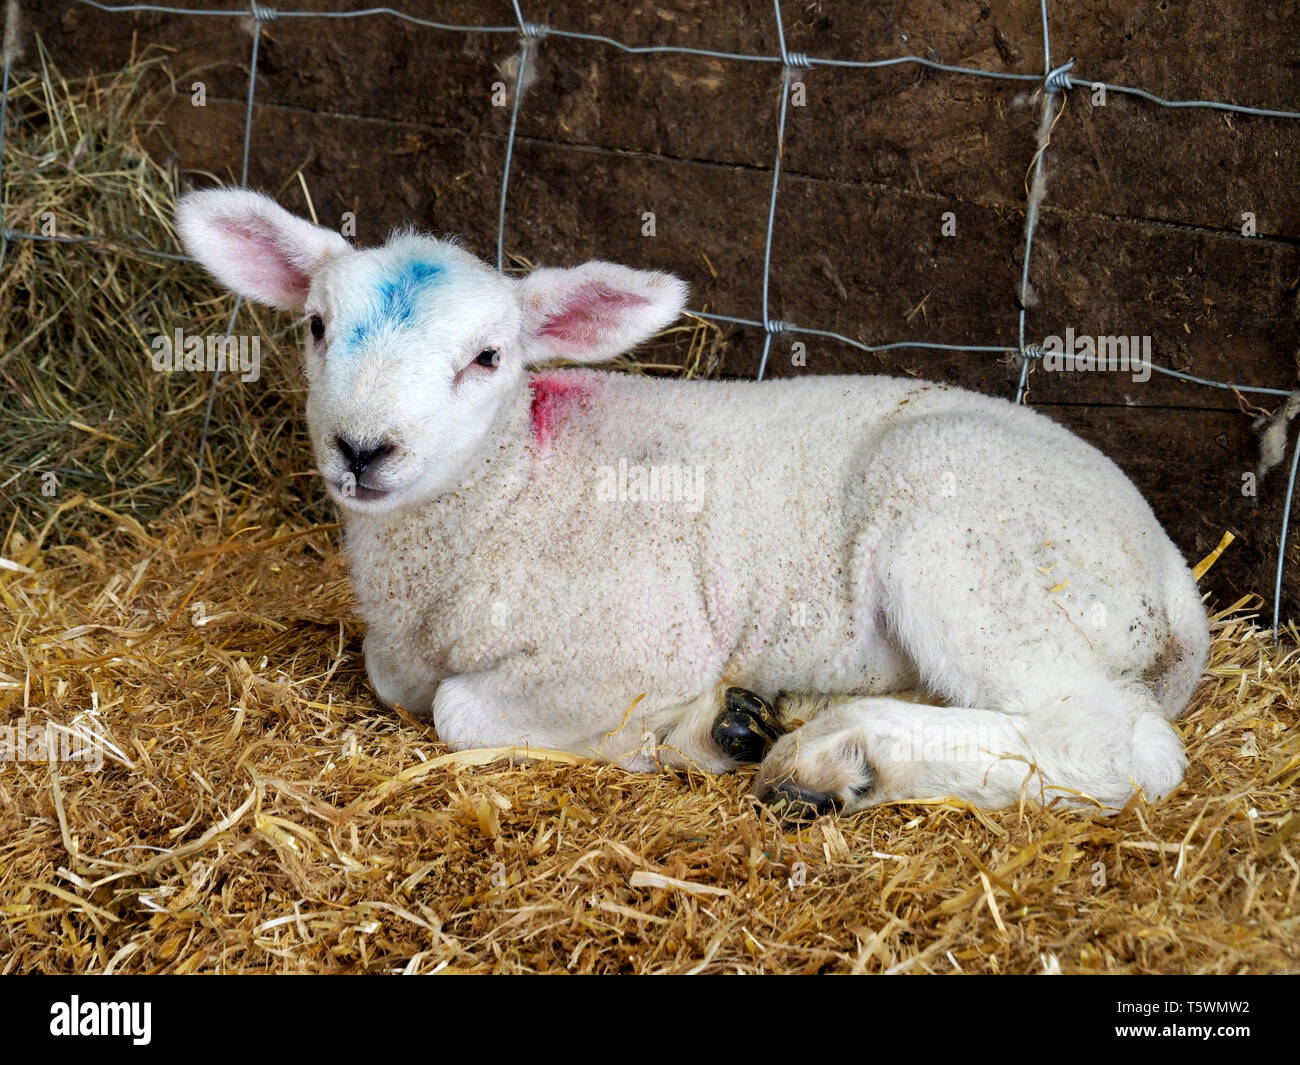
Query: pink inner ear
{"points": [[590, 313], [266, 262]]}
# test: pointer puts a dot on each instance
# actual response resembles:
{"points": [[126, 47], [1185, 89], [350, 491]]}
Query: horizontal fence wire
{"points": [[1052, 84]]}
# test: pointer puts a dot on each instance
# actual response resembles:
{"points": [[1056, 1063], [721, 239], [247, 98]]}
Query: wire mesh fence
{"points": [[1051, 86]]}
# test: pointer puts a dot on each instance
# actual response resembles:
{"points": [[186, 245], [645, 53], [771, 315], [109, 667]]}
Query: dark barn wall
{"points": [[1140, 231]]}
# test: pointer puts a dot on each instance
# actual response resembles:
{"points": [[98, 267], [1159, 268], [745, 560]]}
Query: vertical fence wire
{"points": [[260, 15], [789, 63], [528, 32], [8, 51], [1281, 551], [4, 112], [1033, 200]]}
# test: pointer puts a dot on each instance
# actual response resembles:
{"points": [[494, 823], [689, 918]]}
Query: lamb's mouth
{"points": [[350, 491]]}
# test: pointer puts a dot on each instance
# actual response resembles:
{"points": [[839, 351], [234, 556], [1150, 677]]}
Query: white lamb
{"points": [[614, 565]]}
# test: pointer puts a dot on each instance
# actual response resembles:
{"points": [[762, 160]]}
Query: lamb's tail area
{"points": [[1178, 669]]}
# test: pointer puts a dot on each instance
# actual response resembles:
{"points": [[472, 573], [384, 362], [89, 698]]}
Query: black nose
{"points": [[360, 458]]}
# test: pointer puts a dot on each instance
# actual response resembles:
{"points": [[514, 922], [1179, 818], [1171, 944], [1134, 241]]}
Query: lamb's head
{"points": [[413, 348]]}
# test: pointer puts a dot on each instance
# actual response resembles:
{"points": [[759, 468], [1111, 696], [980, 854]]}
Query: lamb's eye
{"points": [[489, 357], [317, 328]]}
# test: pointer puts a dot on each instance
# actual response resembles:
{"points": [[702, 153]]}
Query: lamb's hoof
{"points": [[807, 775], [794, 803], [747, 727]]}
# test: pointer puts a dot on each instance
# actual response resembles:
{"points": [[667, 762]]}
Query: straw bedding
{"points": [[257, 812]]}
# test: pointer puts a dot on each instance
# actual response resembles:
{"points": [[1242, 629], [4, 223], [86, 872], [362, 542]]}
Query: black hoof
{"points": [[747, 727], [794, 803], [737, 738], [758, 709]]}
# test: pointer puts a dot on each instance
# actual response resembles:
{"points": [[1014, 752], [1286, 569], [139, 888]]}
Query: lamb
{"points": [[878, 589]]}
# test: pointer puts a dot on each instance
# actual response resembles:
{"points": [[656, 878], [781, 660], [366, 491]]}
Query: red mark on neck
{"points": [[554, 395]]}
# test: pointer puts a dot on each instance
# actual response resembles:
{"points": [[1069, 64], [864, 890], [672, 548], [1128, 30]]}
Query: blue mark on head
{"points": [[395, 299]]}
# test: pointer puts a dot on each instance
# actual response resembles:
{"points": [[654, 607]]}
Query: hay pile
{"points": [[256, 812]]}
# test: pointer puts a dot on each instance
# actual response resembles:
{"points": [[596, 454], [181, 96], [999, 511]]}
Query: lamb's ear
{"points": [[595, 311], [254, 246]]}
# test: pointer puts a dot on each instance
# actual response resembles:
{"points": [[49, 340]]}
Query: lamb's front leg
{"points": [[391, 677], [714, 732], [487, 710]]}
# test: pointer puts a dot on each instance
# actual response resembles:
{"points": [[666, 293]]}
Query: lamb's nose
{"points": [[360, 458]]}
